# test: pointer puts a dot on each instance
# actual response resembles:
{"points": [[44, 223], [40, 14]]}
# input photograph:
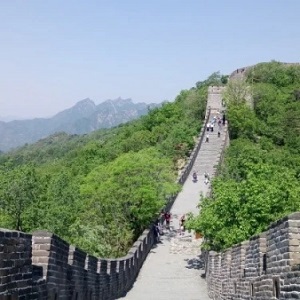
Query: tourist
{"points": [[206, 178], [224, 119], [207, 138], [182, 225], [195, 177], [156, 231], [168, 220], [207, 126]]}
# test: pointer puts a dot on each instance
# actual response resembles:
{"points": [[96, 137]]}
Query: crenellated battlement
{"points": [[265, 267], [44, 266]]}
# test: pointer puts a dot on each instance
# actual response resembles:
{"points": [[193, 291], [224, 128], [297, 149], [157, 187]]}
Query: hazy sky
{"points": [[54, 53]]}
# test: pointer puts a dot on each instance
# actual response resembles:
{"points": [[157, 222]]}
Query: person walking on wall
{"points": [[195, 176], [206, 178], [182, 225], [207, 138], [156, 232], [168, 220]]}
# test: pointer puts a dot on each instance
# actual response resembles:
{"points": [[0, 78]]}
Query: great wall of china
{"points": [[43, 266], [265, 267]]}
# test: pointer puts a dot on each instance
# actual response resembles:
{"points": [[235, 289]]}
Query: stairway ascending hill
{"points": [[172, 270]]}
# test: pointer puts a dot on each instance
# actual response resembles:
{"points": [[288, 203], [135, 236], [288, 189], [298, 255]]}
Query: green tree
{"points": [[60, 206], [237, 92], [259, 180], [128, 192], [213, 79], [243, 122], [19, 189]]}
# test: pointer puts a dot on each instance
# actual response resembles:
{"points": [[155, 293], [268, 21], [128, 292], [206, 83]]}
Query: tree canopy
{"points": [[258, 182]]}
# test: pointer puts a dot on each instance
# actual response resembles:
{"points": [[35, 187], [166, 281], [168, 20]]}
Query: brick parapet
{"points": [[92, 278], [76, 274], [224, 275], [51, 253], [58, 270], [238, 260], [16, 276], [283, 239], [263, 268], [213, 270], [187, 168], [254, 260]]}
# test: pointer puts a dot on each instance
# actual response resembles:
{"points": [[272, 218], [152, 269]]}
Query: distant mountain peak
{"points": [[85, 116], [85, 102]]}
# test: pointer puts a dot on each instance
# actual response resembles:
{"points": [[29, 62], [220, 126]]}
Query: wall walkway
{"points": [[171, 270]]}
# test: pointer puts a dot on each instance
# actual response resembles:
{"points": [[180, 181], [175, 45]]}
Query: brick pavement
{"points": [[173, 269]]}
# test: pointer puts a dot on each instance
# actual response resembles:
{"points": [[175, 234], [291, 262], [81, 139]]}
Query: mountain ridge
{"points": [[84, 117]]}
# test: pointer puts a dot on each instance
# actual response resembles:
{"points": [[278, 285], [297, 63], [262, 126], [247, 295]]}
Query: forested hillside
{"points": [[259, 180], [99, 191]]}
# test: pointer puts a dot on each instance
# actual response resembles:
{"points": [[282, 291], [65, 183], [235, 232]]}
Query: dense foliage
{"points": [[259, 181], [99, 191]]}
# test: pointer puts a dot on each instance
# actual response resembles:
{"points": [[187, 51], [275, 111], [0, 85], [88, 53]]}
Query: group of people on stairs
{"points": [[163, 225], [210, 125]]}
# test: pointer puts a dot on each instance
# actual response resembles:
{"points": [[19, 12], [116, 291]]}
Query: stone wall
{"points": [[190, 162], [263, 268], [187, 169], [16, 273], [43, 266]]}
